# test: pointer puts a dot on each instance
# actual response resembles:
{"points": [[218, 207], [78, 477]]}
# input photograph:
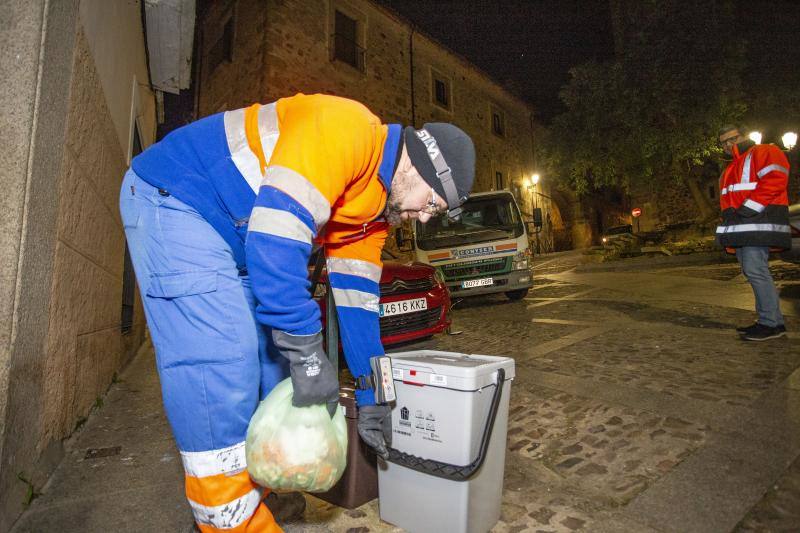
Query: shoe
{"points": [[286, 506], [745, 329], [763, 333]]}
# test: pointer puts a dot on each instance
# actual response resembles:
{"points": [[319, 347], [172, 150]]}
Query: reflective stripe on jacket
{"points": [[754, 199]]}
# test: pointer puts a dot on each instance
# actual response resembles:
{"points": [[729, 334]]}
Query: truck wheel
{"points": [[517, 295]]}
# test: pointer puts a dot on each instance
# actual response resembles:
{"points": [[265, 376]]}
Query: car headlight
{"points": [[520, 261], [438, 276]]}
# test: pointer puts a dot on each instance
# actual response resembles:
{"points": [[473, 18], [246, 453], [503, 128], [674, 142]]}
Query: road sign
{"points": [[637, 211]]}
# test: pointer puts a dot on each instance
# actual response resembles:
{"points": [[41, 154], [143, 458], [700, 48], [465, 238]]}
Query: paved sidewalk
{"points": [[636, 408]]}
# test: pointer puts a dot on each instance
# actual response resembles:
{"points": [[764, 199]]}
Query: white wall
{"points": [[116, 39]]}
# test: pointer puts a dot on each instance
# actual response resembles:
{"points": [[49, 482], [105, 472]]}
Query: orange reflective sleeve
{"points": [[772, 170]]}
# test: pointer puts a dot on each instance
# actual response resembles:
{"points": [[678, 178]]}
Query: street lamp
{"points": [[535, 179], [755, 136], [789, 140]]}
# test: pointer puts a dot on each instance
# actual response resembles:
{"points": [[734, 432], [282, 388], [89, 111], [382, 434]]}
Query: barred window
{"points": [[441, 92], [345, 41], [498, 123]]}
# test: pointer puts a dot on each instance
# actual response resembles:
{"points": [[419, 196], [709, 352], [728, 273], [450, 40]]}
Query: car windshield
{"points": [[483, 219]]}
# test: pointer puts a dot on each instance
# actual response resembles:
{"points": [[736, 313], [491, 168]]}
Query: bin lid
{"points": [[451, 370]]}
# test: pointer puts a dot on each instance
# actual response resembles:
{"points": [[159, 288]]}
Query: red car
{"points": [[414, 302]]}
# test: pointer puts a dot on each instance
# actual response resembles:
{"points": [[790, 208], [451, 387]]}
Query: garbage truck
{"points": [[486, 250]]}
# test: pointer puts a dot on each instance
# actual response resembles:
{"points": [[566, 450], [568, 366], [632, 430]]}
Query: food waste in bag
{"points": [[292, 448]]}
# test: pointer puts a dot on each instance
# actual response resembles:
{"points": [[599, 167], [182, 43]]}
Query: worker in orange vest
{"points": [[755, 219], [220, 218]]}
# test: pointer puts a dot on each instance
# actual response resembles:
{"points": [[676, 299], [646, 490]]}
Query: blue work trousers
{"points": [[754, 261], [214, 360]]}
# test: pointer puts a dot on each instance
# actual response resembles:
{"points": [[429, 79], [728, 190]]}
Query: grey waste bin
{"points": [[445, 471]]}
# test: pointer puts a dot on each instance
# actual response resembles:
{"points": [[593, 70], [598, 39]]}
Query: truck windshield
{"points": [[483, 219]]}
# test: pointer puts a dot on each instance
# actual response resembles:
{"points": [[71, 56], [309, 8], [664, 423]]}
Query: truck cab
{"points": [[485, 251]]}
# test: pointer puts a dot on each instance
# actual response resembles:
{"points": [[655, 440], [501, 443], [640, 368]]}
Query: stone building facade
{"points": [[262, 50], [76, 104]]}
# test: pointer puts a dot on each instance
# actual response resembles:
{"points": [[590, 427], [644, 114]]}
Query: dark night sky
{"points": [[527, 45]]}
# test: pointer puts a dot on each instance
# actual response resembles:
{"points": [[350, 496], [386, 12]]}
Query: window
{"points": [[128, 276], [222, 49], [345, 41], [440, 86], [498, 123], [498, 181], [442, 94]]}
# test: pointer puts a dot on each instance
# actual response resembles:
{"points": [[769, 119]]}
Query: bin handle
{"points": [[446, 470]]}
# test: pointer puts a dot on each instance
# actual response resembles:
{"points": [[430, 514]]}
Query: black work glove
{"points": [[313, 378], [375, 428]]}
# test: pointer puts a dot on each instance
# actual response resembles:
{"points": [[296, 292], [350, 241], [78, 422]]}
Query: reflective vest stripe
{"points": [[354, 298], [279, 223], [755, 206], [268, 130], [252, 134], [746, 168], [301, 190], [213, 462], [740, 228], [354, 267], [739, 187], [772, 168], [228, 515], [247, 163]]}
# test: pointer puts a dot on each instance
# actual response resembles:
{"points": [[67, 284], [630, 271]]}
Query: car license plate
{"points": [[476, 283], [403, 306]]}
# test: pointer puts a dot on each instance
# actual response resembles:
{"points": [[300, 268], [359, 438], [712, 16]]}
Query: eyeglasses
{"points": [[432, 207], [730, 140]]}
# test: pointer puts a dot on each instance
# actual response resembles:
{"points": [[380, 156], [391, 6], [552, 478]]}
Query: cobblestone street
{"points": [[635, 407]]}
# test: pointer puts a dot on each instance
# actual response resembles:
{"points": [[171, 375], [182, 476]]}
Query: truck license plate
{"points": [[402, 307], [476, 283]]}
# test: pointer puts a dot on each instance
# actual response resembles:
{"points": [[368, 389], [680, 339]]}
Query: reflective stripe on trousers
{"points": [[215, 362]]}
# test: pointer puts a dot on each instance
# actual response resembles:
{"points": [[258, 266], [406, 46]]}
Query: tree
{"points": [[652, 114]]}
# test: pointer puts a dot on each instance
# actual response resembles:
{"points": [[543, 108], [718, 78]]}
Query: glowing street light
{"points": [[755, 136], [535, 179], [789, 140]]}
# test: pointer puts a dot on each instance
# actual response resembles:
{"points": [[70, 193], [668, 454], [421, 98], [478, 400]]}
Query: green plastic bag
{"points": [[292, 448]]}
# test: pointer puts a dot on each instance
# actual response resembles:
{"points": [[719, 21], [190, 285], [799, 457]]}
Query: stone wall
{"points": [[282, 47], [671, 203], [67, 143], [85, 343]]}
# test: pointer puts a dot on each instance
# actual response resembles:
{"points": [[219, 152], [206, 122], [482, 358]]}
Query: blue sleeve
{"points": [[280, 233], [356, 290]]}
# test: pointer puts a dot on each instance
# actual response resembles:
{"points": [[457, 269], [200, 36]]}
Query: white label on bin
{"points": [[437, 379], [397, 373]]}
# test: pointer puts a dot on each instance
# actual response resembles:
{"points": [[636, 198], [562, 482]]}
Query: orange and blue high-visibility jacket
{"points": [[272, 179]]}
